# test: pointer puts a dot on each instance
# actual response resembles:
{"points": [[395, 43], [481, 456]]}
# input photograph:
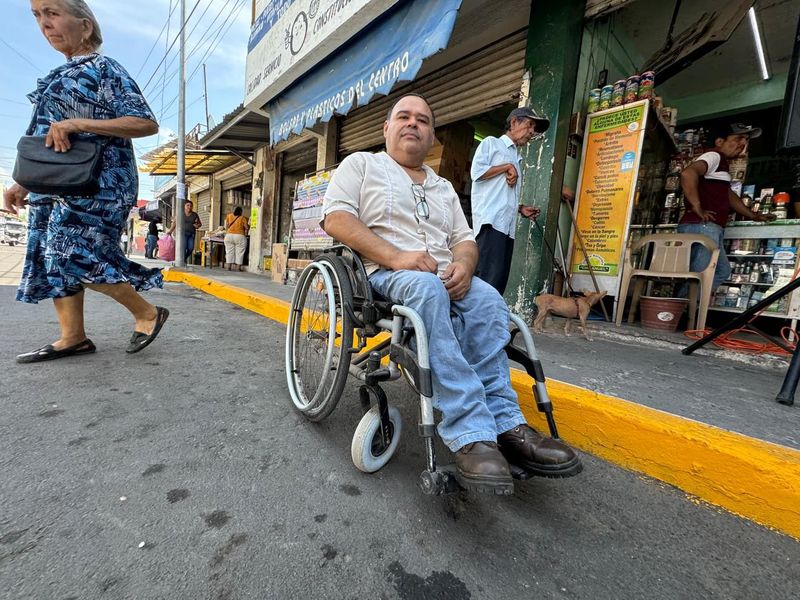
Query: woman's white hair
{"points": [[80, 10]]}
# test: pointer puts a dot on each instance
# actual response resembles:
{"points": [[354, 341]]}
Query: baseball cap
{"points": [[525, 112], [737, 129]]}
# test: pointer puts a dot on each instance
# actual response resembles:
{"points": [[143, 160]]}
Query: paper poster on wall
{"points": [[606, 188], [253, 218]]}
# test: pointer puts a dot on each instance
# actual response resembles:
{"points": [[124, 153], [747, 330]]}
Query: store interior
{"points": [[723, 83]]}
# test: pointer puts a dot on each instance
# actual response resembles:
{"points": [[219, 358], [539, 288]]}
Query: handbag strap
{"points": [[228, 228], [105, 140]]}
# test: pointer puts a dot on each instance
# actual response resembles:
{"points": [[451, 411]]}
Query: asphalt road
{"points": [[184, 472]]}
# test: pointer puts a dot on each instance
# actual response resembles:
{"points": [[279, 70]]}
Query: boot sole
{"points": [[484, 485], [569, 469]]}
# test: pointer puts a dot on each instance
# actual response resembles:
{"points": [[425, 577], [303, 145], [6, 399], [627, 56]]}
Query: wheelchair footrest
{"points": [[519, 473]]}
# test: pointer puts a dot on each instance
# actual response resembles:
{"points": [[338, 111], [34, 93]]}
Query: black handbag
{"points": [[42, 170]]}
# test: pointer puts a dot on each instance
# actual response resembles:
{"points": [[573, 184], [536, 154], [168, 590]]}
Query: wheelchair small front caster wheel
{"points": [[367, 449], [437, 483]]}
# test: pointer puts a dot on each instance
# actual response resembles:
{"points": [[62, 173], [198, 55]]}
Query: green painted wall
{"points": [[733, 99]]}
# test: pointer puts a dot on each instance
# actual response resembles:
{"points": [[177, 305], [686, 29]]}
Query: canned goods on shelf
{"points": [[646, 84], [618, 93], [593, 104], [632, 89], [605, 97]]}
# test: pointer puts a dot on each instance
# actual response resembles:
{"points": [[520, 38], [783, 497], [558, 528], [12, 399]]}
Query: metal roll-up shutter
{"points": [[203, 209], [238, 180], [472, 85]]}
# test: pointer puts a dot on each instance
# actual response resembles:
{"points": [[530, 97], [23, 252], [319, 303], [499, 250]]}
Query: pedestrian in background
{"points": [[495, 194], [74, 242], [236, 228], [191, 223], [151, 243]]}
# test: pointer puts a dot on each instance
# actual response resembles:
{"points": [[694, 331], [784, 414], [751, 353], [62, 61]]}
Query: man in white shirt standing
{"points": [[495, 194], [407, 224]]}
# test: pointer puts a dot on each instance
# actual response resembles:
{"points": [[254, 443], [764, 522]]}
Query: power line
{"points": [[22, 56], [189, 35], [183, 26], [203, 40], [217, 38], [150, 52], [164, 77], [14, 101]]}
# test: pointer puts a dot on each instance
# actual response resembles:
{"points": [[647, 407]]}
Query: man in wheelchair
{"points": [[407, 224]]}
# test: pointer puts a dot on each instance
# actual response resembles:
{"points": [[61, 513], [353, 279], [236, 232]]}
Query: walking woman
{"points": [[74, 242], [236, 228]]}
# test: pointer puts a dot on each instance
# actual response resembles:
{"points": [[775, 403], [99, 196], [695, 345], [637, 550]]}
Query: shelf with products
{"points": [[757, 276], [741, 310]]}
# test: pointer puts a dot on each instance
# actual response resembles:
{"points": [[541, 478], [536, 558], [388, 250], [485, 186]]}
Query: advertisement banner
{"points": [[288, 37], [606, 188], [389, 51]]}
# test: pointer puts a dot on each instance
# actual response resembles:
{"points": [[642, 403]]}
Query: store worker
{"points": [[495, 194], [708, 197], [407, 224]]}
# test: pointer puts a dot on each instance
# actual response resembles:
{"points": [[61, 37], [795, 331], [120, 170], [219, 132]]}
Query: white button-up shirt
{"points": [[494, 202], [377, 190]]}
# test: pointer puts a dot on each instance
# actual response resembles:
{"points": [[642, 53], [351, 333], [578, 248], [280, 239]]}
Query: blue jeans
{"points": [[188, 245], [469, 367], [701, 256], [150, 245]]}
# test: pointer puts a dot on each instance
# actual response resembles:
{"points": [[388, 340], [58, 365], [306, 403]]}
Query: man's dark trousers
{"points": [[494, 259]]}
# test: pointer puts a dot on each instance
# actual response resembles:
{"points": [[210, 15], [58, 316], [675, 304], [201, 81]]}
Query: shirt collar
{"points": [[507, 141]]}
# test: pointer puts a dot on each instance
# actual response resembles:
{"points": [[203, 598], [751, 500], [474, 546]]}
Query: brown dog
{"points": [[571, 308]]}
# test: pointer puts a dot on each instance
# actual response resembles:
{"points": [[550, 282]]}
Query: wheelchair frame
{"points": [[351, 306]]}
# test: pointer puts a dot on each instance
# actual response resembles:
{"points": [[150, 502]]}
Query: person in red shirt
{"points": [[708, 197]]}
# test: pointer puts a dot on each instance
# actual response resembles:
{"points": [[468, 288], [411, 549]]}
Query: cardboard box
{"points": [[279, 258]]}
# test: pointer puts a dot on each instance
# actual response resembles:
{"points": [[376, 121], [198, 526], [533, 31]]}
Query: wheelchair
{"points": [[332, 303]]}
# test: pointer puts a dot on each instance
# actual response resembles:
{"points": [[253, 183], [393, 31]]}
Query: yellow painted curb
{"points": [[266, 306], [752, 478]]}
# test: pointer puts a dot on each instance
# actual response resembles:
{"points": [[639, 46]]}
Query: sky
{"points": [[217, 34]]}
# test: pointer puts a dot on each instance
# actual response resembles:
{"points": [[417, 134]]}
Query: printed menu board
{"points": [[606, 188]]}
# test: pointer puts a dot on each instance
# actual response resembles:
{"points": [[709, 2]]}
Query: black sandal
{"points": [[50, 353], [140, 341]]}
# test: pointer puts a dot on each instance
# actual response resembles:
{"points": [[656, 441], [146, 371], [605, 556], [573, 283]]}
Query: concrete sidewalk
{"points": [[707, 424]]}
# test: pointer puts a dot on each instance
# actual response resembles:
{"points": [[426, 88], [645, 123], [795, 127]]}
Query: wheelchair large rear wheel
{"points": [[318, 338]]}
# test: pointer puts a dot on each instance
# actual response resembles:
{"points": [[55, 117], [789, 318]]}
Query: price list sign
{"points": [[606, 189]]}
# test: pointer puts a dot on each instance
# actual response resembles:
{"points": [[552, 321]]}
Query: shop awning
{"points": [[198, 162], [389, 51], [241, 130]]}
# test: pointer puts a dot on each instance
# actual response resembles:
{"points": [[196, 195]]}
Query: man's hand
{"points": [[414, 261], [15, 198], [58, 136], [530, 212], [706, 215], [764, 218], [511, 175], [457, 280]]}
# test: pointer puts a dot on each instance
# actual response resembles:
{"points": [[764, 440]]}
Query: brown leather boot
{"points": [[482, 468], [528, 449]]}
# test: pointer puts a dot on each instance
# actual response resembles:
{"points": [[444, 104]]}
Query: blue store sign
{"points": [[388, 51]]}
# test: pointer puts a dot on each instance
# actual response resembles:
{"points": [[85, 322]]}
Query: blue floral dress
{"points": [[74, 240]]}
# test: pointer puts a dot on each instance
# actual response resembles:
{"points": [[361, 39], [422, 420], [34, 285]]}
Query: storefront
{"points": [[624, 160], [464, 57]]}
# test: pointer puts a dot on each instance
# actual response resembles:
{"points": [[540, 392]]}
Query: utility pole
{"points": [[180, 188], [205, 94]]}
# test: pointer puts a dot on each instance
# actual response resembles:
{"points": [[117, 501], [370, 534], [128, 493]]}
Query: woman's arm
{"points": [[122, 127]]}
